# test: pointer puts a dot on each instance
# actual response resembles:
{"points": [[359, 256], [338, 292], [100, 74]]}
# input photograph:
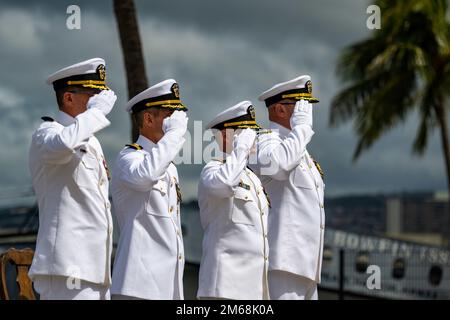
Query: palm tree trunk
{"points": [[442, 118], [130, 40]]}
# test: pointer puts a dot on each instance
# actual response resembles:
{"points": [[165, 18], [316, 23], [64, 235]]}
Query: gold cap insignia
{"points": [[176, 90], [101, 71], [251, 112], [308, 86]]}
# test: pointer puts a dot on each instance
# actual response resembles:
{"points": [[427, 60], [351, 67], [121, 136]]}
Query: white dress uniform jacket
{"points": [[71, 184], [149, 262], [296, 191], [233, 212]]}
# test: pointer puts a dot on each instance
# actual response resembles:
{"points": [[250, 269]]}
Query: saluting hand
{"points": [[245, 140], [302, 114], [177, 122], [103, 101]]}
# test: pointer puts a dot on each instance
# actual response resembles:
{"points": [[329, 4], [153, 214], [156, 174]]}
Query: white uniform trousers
{"points": [[176, 296], [288, 286], [265, 295], [59, 288]]}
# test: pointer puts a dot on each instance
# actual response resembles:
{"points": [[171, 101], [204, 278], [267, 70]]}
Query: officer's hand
{"points": [[177, 122], [104, 101], [245, 140], [302, 114]]}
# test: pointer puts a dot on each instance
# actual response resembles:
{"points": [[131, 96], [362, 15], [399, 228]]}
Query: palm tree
{"points": [[403, 67], [130, 40]]}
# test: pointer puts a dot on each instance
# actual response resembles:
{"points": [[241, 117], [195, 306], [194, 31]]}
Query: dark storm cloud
{"points": [[266, 21], [220, 53]]}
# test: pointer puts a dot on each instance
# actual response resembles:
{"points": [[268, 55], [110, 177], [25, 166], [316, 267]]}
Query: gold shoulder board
{"points": [[265, 131], [319, 168], [134, 146]]}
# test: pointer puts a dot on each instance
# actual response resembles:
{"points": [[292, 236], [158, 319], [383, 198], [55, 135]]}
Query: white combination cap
{"points": [[165, 95], [299, 88], [239, 116]]}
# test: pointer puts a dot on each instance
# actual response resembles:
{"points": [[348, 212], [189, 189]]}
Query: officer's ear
{"points": [[65, 100], [276, 109], [282, 111], [148, 119]]}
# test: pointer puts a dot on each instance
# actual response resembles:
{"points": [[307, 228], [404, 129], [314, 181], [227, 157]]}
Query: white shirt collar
{"points": [[279, 128], [145, 143], [64, 119]]}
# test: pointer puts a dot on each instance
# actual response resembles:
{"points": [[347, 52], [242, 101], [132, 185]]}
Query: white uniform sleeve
{"points": [[277, 157], [56, 143], [140, 171], [220, 179]]}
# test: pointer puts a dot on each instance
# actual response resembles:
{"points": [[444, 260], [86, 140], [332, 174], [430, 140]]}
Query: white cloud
{"points": [[20, 30], [9, 98]]}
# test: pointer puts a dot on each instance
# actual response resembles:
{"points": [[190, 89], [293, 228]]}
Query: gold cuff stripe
{"points": [[239, 123]]}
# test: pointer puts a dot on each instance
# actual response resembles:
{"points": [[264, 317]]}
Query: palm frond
{"points": [[385, 108], [401, 68]]}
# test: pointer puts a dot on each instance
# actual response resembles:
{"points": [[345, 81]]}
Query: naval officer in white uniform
{"points": [[146, 194], [294, 182], [233, 212], [70, 179]]}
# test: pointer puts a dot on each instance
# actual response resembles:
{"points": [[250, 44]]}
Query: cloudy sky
{"points": [[220, 52]]}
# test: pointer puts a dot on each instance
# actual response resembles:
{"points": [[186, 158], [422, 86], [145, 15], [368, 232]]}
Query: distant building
{"points": [[421, 217], [361, 214]]}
